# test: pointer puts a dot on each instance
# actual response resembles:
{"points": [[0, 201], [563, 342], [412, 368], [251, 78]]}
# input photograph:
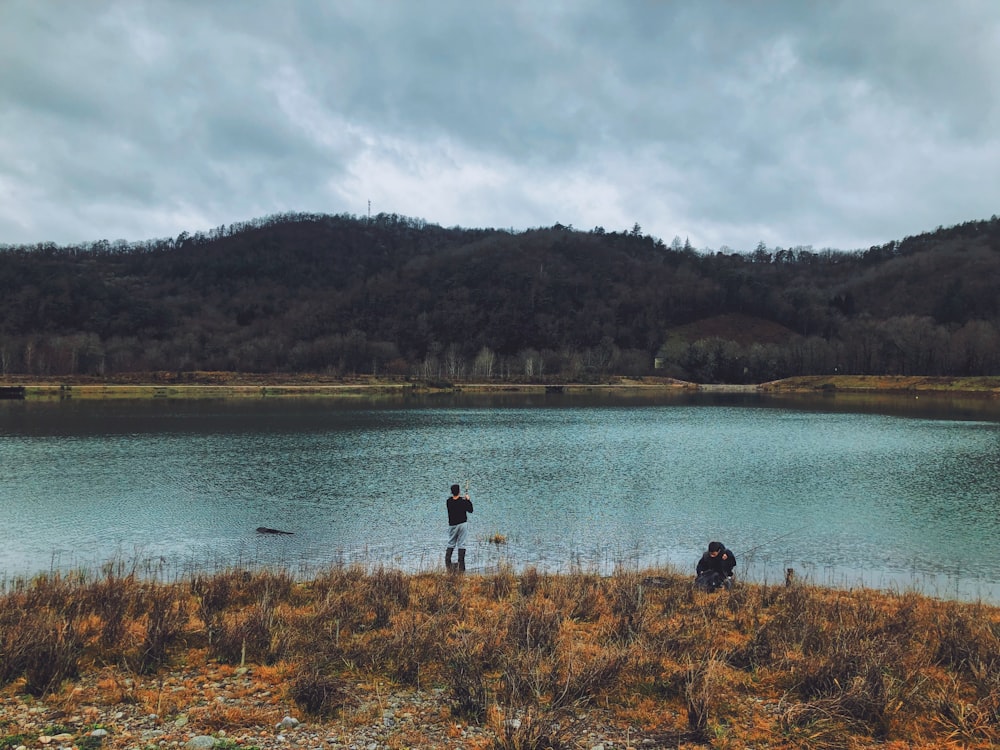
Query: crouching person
{"points": [[715, 568]]}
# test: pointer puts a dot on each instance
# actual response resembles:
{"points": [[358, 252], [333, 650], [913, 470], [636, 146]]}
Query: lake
{"points": [[885, 493]]}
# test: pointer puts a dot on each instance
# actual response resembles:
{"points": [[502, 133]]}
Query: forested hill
{"points": [[395, 296]]}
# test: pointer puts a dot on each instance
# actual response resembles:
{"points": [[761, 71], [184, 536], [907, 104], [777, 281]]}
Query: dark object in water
{"points": [[12, 392], [265, 530]]}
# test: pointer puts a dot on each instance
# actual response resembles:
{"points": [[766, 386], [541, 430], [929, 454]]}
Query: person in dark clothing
{"points": [[459, 506], [715, 568]]}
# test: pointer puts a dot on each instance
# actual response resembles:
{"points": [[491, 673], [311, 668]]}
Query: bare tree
{"points": [[484, 363], [453, 362]]}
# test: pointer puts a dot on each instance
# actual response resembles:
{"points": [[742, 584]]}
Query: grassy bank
{"points": [[984, 386], [172, 385], [196, 385], [48, 392], [528, 660]]}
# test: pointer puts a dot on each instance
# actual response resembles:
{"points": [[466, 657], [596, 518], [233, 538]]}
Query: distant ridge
{"points": [[401, 298]]}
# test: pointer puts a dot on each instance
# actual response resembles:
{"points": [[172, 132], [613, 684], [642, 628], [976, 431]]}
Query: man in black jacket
{"points": [[715, 568], [459, 506]]}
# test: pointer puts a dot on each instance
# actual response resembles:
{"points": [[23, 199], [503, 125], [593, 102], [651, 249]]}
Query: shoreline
{"points": [[195, 385]]}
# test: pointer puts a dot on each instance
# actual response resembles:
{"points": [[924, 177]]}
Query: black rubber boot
{"points": [[461, 559], [448, 564]]}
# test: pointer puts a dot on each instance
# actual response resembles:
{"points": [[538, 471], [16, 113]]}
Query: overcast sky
{"points": [[831, 124]]}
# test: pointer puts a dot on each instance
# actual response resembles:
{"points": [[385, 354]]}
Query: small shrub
{"points": [[247, 634], [757, 652], [49, 652], [345, 608], [502, 583], [320, 633], [112, 598], [273, 587], [467, 680], [860, 680], [213, 594], [528, 677], [534, 624], [665, 684], [412, 643], [970, 722], [52, 591], [702, 683], [443, 595], [629, 609], [965, 640], [316, 692], [738, 600], [580, 596], [531, 582], [336, 580], [816, 725], [388, 591], [165, 622], [585, 677], [676, 637]]}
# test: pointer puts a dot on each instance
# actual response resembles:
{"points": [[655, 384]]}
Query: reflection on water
{"points": [[894, 493]]}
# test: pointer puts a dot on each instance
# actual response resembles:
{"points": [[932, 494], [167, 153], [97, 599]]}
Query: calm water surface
{"points": [[873, 495]]}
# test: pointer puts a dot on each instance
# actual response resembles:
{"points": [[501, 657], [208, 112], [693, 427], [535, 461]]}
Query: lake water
{"points": [[885, 494]]}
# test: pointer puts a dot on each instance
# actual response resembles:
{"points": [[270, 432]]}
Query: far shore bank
{"points": [[911, 384], [233, 385], [192, 385]]}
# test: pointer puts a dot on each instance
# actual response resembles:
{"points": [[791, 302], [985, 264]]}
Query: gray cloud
{"points": [[837, 124]]}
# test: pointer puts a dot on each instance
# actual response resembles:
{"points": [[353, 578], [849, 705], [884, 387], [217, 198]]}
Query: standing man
{"points": [[715, 568], [459, 506]]}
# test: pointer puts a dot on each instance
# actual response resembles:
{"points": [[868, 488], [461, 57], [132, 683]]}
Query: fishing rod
{"points": [[747, 553]]}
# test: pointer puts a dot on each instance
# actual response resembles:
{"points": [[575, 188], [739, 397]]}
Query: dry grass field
{"points": [[494, 660]]}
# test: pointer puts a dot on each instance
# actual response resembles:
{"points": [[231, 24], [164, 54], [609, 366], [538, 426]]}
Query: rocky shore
{"points": [[226, 707]]}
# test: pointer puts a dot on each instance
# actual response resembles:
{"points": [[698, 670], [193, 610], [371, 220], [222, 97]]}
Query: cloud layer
{"points": [[835, 124]]}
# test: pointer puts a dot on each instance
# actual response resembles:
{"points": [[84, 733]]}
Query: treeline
{"points": [[395, 296], [900, 345]]}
